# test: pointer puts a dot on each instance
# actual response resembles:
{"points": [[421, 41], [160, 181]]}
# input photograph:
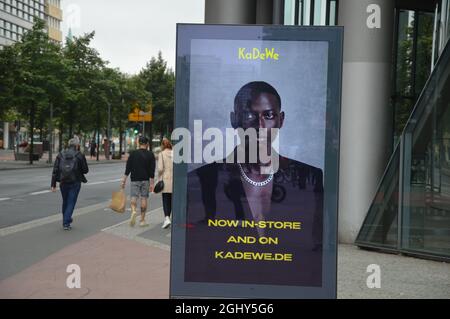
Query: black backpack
{"points": [[68, 167]]}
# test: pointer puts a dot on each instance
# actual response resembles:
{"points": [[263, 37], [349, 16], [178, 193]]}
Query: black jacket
{"points": [[216, 191], [82, 167], [141, 164]]}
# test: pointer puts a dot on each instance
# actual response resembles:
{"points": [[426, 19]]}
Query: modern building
{"points": [[17, 17], [395, 116], [53, 14]]}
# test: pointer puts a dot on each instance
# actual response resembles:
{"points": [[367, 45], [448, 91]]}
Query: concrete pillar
{"points": [[230, 11], [278, 12], [6, 135], [366, 120], [264, 11]]}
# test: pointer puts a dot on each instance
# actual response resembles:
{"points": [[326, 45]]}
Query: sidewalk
{"points": [[116, 262], [124, 262], [7, 161]]}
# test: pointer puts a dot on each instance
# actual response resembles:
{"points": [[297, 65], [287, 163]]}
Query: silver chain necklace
{"points": [[252, 182]]}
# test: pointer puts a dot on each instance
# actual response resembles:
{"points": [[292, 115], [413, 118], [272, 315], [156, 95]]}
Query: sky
{"points": [[129, 32]]}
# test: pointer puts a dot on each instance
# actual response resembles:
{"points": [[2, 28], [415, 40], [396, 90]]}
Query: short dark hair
{"points": [[143, 140], [253, 89]]}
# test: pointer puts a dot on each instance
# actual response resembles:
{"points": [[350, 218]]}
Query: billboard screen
{"points": [[256, 161]]}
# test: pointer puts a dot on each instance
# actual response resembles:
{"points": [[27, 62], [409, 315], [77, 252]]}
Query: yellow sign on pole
{"points": [[140, 116]]}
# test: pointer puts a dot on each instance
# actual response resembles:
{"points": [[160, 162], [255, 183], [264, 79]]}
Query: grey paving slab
{"points": [[401, 276]]}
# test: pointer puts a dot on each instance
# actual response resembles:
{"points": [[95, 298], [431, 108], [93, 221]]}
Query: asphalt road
{"points": [[30, 228], [25, 194]]}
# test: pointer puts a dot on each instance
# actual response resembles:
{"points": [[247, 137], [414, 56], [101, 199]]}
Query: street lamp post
{"points": [[108, 133], [98, 133], [143, 127], [50, 151]]}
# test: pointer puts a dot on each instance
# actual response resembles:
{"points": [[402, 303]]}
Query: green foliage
{"points": [[37, 73], [160, 81], [8, 67]]}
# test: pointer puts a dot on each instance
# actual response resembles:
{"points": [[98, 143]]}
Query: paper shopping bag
{"points": [[118, 201]]}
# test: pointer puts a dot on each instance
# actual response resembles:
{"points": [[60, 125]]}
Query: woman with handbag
{"points": [[165, 167]]}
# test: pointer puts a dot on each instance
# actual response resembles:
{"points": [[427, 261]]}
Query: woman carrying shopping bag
{"points": [[165, 167]]}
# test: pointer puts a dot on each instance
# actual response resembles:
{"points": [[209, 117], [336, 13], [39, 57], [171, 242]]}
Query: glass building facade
{"points": [[411, 210], [18, 16], [410, 213], [310, 12], [394, 152]]}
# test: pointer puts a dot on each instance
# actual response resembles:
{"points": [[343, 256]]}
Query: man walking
{"points": [[69, 169], [141, 165]]}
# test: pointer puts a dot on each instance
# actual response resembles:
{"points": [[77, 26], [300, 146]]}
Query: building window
{"points": [[310, 12], [412, 64]]}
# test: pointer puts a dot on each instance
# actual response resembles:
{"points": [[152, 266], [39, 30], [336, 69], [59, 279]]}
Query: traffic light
{"points": [[137, 128]]}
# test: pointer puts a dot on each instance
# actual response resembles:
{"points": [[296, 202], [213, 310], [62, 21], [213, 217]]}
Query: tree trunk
{"points": [[32, 115], [70, 129], [60, 136], [120, 141], [71, 122], [106, 147], [98, 133], [41, 133]]}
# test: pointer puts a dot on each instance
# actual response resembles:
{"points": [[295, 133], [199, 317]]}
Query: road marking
{"points": [[114, 180], [41, 192], [6, 198], [96, 183], [104, 182], [49, 219], [116, 225], [48, 191]]}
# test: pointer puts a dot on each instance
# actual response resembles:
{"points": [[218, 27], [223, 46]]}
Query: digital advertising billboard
{"points": [[256, 161]]}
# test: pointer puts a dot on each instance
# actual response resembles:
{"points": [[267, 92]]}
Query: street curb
{"points": [[51, 165]]}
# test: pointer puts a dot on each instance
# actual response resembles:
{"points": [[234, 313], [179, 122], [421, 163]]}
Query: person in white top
{"points": [[165, 168]]}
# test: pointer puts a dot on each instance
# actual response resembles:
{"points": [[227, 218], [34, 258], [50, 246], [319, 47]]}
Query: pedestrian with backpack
{"points": [[69, 169]]}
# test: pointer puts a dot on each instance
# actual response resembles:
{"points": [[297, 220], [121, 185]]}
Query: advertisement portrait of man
{"points": [[235, 190]]}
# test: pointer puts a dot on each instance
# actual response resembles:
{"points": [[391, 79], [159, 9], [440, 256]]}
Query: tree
{"points": [[84, 66], [35, 79], [8, 67], [160, 82], [38, 75], [132, 92]]}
